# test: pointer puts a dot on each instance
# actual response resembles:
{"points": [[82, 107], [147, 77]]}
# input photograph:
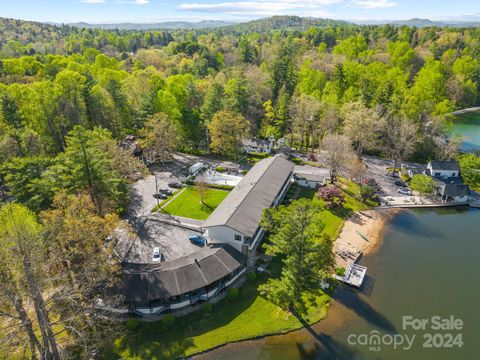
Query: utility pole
{"points": [[156, 188]]}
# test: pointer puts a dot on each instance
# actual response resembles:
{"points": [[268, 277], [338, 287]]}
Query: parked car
{"points": [[400, 183], [175, 185], [197, 240], [157, 256], [404, 192], [160, 196], [165, 191]]}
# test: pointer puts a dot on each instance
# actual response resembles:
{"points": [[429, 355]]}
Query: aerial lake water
{"points": [[468, 126], [427, 265]]}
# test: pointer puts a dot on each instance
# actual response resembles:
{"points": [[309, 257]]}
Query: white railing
{"points": [[236, 277]]}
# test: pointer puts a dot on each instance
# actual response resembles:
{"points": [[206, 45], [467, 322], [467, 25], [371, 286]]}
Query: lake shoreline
{"points": [[373, 223], [363, 232]]}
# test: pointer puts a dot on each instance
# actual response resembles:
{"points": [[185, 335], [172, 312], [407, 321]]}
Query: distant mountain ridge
{"points": [[259, 25], [167, 25], [283, 23], [420, 23]]}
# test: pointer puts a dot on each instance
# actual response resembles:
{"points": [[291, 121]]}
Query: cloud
{"points": [[262, 7], [140, 2], [93, 1], [373, 4]]}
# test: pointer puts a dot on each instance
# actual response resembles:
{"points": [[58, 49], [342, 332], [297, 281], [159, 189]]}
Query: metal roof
{"points": [[242, 209], [453, 190], [311, 173], [451, 165], [148, 282]]}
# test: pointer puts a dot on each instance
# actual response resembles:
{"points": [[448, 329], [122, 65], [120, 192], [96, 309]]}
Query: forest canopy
{"points": [[287, 77]]}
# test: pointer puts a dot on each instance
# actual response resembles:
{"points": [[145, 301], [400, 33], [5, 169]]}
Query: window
{"points": [[238, 237], [438, 174], [454, 174]]}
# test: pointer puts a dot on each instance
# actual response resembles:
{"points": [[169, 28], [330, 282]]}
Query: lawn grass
{"points": [[188, 203], [334, 219], [247, 317]]}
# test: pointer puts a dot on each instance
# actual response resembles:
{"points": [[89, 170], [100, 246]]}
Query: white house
{"points": [[311, 177], [459, 193], [443, 169], [236, 220], [257, 145]]}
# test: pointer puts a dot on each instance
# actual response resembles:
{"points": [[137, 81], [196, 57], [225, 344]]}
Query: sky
{"points": [[147, 11]]}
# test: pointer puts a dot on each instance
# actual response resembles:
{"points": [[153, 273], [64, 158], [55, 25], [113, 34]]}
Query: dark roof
{"points": [[452, 190], [242, 209], [451, 165], [147, 282]]}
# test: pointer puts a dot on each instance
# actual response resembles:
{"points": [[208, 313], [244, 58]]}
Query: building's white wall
{"points": [[463, 198], [283, 190], [260, 149], [224, 235], [307, 183], [180, 305], [442, 173]]}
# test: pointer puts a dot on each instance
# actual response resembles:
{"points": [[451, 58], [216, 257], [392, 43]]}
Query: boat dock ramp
{"points": [[354, 274]]}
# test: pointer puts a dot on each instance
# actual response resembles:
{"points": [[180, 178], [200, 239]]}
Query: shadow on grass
{"points": [[344, 213]]}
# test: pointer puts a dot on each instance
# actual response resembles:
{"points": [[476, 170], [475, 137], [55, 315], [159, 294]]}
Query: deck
{"points": [[354, 275]]}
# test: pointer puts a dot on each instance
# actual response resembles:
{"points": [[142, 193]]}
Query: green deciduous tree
{"points": [[227, 129], [83, 268], [470, 168], [161, 135], [23, 274], [362, 125], [423, 184]]}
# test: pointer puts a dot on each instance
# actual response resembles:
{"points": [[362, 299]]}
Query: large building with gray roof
{"points": [[232, 231], [150, 289], [236, 220]]}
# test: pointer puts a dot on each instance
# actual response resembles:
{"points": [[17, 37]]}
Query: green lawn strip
{"points": [[247, 317], [163, 202], [188, 203]]}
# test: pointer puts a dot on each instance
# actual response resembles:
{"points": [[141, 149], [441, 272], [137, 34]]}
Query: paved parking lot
{"points": [[376, 170], [154, 232], [141, 195], [154, 229]]}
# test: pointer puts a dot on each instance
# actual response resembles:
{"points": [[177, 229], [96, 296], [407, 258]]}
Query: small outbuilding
{"points": [[459, 193], [257, 145], [310, 180], [443, 169], [310, 176]]}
